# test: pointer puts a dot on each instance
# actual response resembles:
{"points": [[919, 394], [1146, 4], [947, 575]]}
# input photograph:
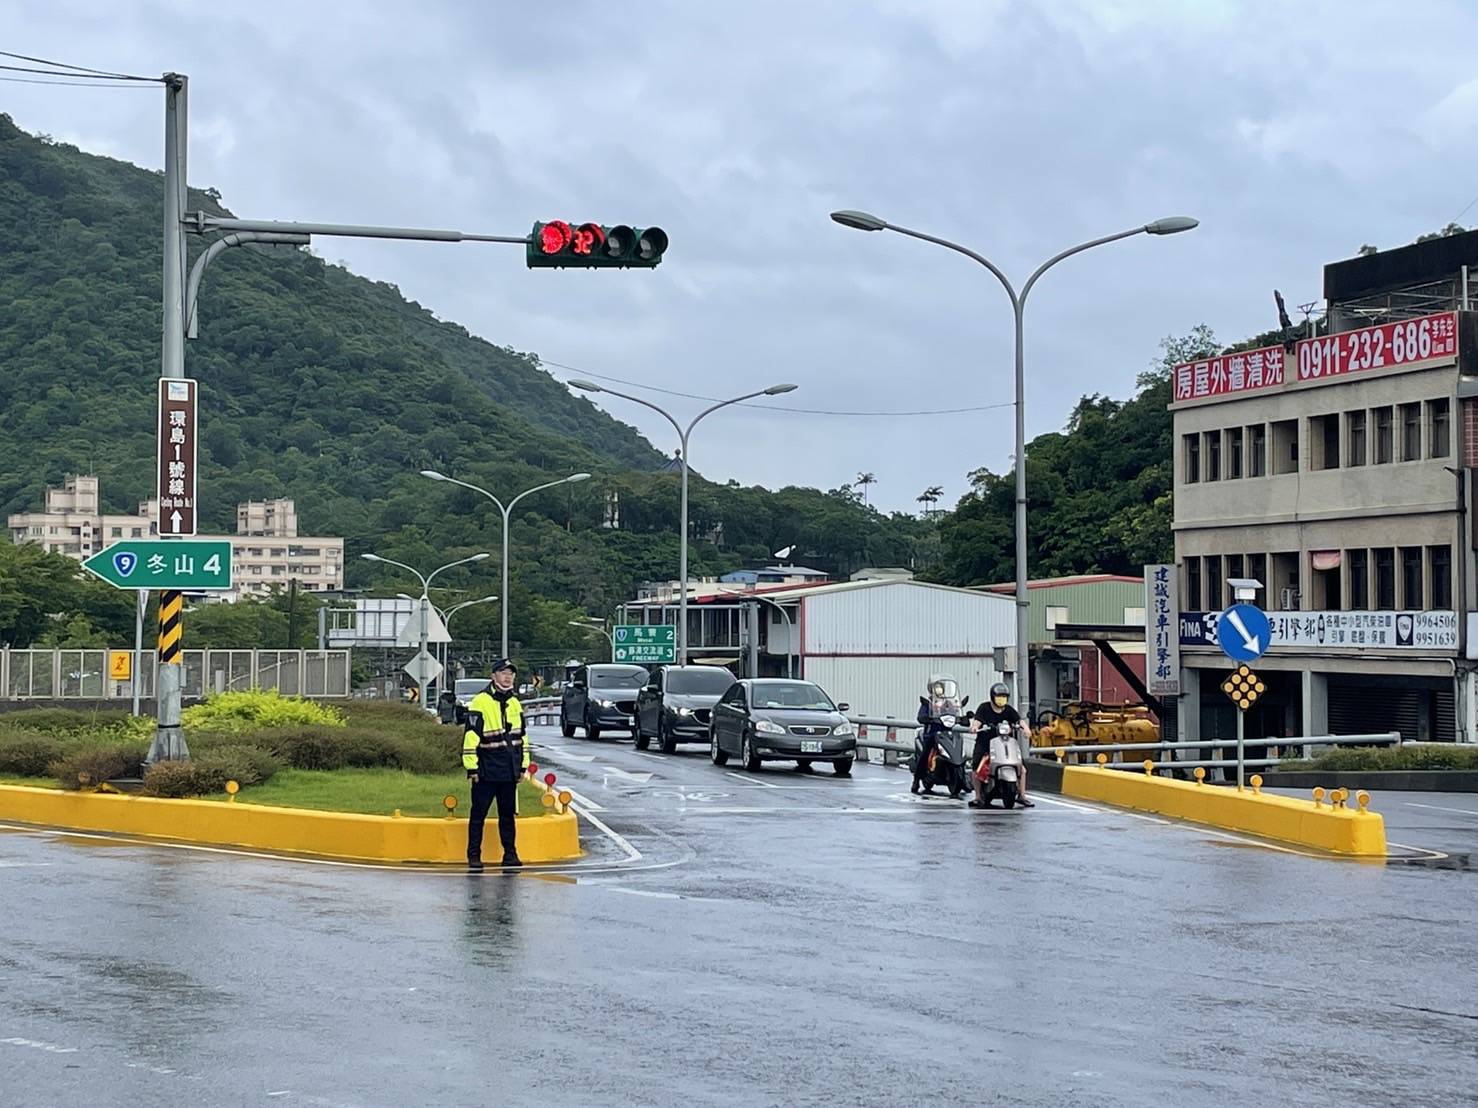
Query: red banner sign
{"points": [[177, 441], [1229, 374], [1382, 347]]}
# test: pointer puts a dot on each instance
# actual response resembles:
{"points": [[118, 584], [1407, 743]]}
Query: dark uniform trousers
{"points": [[484, 793]]}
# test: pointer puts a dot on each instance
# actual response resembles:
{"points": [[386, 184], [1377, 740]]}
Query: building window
{"points": [[1411, 578], [1214, 598], [1213, 455], [1355, 437], [1385, 579], [1411, 432], [1234, 453], [1055, 615], [1257, 568], [1285, 583], [1439, 420], [1325, 566], [1381, 417], [1234, 566], [116, 532], [1257, 450], [1192, 459], [1193, 584], [1359, 562], [137, 533], [1285, 446], [1324, 442], [1439, 572]]}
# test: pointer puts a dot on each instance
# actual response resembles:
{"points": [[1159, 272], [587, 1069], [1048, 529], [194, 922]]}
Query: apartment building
{"points": [[1336, 472], [267, 550]]}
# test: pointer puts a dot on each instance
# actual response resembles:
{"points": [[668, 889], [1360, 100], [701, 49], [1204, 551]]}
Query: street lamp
{"points": [[425, 580], [507, 512], [865, 221], [595, 627], [682, 603]]}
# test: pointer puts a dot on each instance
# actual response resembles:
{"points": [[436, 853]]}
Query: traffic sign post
{"points": [[638, 645], [187, 565], [178, 423]]}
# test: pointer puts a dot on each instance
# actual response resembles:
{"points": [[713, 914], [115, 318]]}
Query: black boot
{"points": [[511, 861], [474, 865]]}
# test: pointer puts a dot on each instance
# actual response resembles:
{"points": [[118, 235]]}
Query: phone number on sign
{"points": [[1391, 344]]}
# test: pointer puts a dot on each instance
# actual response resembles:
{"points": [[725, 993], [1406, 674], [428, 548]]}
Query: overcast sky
{"points": [[1293, 133]]}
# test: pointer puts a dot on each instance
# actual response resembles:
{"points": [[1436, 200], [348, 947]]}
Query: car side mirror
{"points": [[843, 707]]}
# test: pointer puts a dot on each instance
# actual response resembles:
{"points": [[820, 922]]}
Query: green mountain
{"points": [[335, 390]]}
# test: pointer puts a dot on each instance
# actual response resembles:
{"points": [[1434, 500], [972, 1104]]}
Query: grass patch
{"points": [[1358, 759], [376, 792], [30, 782]]}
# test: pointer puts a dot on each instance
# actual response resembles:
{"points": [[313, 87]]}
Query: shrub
{"points": [[246, 711], [28, 754], [303, 747], [93, 765], [1425, 757], [64, 721], [246, 765]]}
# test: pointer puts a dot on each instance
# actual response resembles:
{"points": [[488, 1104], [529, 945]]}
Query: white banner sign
{"points": [[1345, 630], [1162, 631]]}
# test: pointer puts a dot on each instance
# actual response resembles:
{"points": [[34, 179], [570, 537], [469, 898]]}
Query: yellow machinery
{"points": [[1085, 722]]}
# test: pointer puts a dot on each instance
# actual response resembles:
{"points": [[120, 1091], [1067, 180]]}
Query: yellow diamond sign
{"points": [[1244, 687]]}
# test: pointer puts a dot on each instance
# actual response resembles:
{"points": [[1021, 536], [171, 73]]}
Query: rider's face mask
{"points": [[998, 701]]}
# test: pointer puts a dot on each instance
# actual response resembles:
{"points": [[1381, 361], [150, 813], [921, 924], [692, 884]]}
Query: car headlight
{"points": [[765, 727], [843, 728], [685, 711], [606, 703]]}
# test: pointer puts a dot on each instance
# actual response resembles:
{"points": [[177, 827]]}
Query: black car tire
{"points": [[566, 728], [803, 766], [718, 754], [591, 730], [751, 761], [665, 738], [843, 766]]}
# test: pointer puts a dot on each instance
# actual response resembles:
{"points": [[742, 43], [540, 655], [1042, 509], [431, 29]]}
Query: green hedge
{"points": [[249, 710], [91, 766], [208, 773], [1355, 759]]}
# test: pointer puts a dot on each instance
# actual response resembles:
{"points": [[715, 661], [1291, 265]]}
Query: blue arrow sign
{"points": [[1243, 632]]}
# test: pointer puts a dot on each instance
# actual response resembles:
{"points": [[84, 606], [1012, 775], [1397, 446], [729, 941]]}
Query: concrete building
{"points": [[873, 644], [1338, 472], [267, 550]]}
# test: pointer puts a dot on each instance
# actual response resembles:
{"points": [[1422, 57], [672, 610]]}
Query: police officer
{"points": [[494, 757]]}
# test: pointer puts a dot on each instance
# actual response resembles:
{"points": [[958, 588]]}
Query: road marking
{"points": [[642, 892], [1042, 798], [23, 865], [1442, 808], [632, 854], [37, 1044], [748, 780], [644, 754], [561, 755], [626, 775], [584, 801]]}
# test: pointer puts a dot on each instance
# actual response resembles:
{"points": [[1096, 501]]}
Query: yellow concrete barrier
{"points": [[1312, 823], [548, 838]]}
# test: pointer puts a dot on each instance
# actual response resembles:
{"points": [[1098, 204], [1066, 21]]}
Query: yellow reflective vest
{"points": [[499, 714]]}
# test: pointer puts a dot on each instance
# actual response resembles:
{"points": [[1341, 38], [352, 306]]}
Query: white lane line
{"points": [[750, 780], [644, 754], [561, 755], [632, 854], [584, 801], [1442, 808], [37, 1044], [642, 892], [627, 775], [1432, 855], [1042, 798]]}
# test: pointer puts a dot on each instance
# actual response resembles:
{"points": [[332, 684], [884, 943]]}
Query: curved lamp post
{"points": [[425, 580]]}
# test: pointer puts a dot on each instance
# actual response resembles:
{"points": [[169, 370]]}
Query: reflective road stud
{"points": [[1244, 687]]}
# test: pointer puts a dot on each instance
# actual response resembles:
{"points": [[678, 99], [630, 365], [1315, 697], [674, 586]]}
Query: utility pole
{"points": [[169, 739]]}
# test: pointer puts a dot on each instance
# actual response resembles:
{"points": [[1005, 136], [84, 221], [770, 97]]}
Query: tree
{"points": [[930, 497], [863, 480], [76, 633]]}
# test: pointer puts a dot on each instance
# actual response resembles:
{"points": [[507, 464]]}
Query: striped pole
{"points": [[171, 627], [169, 739]]}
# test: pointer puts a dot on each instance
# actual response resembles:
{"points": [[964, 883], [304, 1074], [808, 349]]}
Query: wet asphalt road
{"points": [[765, 939]]}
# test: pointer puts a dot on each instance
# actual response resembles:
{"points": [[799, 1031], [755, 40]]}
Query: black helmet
{"points": [[998, 691]]}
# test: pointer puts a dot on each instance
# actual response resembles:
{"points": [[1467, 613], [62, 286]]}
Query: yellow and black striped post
{"points": [[171, 627]]}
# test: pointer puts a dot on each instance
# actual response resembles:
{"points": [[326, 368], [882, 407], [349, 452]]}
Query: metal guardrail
{"points": [[59, 674]]}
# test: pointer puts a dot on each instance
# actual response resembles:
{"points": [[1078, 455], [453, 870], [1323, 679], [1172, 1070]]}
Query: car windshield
{"points": [[471, 686], [618, 677], [699, 682], [789, 694]]}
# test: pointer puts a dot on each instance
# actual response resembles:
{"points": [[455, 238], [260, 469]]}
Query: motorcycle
{"points": [[946, 765], [999, 771]]}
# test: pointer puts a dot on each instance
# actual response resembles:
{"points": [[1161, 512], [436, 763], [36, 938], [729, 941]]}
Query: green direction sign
{"points": [[645, 645], [187, 564]]}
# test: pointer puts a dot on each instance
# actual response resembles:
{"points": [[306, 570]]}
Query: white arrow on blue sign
{"points": [[1243, 632]]}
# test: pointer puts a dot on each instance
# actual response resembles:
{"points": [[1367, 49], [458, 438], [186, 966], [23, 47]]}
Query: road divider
{"points": [[547, 838], [1324, 822]]}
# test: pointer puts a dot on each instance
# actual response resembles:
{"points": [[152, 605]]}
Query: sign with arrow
{"points": [[177, 441], [1243, 632], [190, 565]]}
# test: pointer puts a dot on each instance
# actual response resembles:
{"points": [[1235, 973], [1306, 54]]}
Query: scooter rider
{"points": [[983, 724], [941, 690]]}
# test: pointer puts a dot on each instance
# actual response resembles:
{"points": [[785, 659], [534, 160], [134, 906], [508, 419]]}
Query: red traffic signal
{"points": [[559, 245]]}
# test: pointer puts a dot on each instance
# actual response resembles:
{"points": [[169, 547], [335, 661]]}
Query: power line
{"points": [[81, 70], [776, 407], [72, 84]]}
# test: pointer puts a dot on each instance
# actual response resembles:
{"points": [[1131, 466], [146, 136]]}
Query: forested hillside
{"points": [[335, 390]]}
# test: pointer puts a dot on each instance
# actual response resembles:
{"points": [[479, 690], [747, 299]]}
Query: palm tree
{"points": [[930, 496], [865, 479]]}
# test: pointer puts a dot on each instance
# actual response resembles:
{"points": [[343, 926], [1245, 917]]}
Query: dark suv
{"points": [[600, 698], [677, 705]]}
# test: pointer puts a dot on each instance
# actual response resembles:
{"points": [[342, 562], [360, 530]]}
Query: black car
{"points": [[765, 719], [600, 698], [677, 705]]}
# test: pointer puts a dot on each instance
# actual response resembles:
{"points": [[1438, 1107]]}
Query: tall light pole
{"points": [[425, 580], [507, 513], [596, 627], [789, 624], [683, 435], [446, 619], [863, 221]]}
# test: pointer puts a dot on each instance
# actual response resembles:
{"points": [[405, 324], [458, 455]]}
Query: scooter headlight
{"points": [[948, 721]]}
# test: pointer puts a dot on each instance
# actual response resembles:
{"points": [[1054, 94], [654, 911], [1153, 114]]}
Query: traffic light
{"points": [[560, 245]]}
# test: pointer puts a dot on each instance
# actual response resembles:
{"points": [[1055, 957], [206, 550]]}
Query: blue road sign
{"points": [[1243, 632], [124, 561]]}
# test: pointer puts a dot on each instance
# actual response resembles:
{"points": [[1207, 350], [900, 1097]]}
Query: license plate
{"points": [[810, 746]]}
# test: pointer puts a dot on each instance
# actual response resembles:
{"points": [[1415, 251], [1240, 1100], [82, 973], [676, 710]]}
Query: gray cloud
{"points": [[1017, 127]]}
